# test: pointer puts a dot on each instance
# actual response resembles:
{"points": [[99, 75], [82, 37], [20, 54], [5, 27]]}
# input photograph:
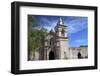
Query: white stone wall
{"points": [[36, 55], [73, 53], [63, 49], [31, 57], [75, 50], [84, 52]]}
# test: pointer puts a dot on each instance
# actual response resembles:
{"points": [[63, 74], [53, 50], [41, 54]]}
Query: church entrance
{"points": [[51, 55]]}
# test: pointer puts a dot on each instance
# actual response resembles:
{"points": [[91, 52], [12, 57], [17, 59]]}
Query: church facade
{"points": [[56, 46]]}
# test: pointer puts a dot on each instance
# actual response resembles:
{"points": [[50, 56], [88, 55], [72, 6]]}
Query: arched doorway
{"points": [[51, 55], [79, 55]]}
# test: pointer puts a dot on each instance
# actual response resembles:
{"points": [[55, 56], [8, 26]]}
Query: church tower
{"points": [[62, 39]]}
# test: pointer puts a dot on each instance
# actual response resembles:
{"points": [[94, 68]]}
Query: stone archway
{"points": [[51, 55], [79, 55]]}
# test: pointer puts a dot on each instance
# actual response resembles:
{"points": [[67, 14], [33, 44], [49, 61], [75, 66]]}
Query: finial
{"points": [[61, 19], [61, 22]]}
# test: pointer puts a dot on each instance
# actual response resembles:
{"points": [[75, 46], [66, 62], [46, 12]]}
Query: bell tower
{"points": [[61, 29], [62, 39]]}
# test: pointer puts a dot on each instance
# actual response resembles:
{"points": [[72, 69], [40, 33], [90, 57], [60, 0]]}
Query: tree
{"points": [[36, 35], [31, 20]]}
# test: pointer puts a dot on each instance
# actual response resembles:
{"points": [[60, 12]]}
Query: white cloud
{"points": [[80, 41], [49, 24], [76, 25]]}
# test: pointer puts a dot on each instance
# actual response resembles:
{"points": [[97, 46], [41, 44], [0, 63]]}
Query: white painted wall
{"points": [[5, 41]]}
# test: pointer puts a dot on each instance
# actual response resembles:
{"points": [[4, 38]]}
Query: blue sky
{"points": [[77, 27]]}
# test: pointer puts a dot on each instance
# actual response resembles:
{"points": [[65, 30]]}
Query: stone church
{"points": [[56, 46]]}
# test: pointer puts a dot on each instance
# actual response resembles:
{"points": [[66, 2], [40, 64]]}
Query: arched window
{"points": [[50, 41], [63, 33]]}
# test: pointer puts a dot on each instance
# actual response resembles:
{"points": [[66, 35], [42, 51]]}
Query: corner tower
{"points": [[62, 39]]}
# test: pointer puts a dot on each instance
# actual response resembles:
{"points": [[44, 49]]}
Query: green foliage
{"points": [[36, 34], [38, 38]]}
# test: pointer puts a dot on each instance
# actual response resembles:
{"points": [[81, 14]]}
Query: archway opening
{"points": [[51, 55], [79, 55]]}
